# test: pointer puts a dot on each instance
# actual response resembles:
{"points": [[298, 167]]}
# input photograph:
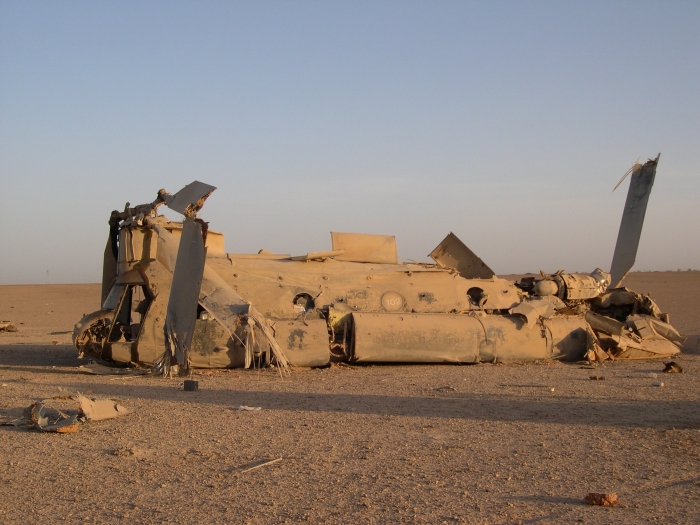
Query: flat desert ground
{"points": [[491, 444]]}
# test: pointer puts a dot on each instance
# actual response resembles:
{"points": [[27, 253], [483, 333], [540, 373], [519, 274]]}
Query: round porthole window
{"points": [[303, 303], [477, 296]]}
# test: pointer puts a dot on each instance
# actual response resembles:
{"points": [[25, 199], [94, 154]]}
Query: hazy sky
{"points": [[507, 123]]}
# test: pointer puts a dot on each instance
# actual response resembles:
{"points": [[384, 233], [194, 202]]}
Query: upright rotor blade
{"points": [[189, 199], [109, 264], [632, 220], [184, 293]]}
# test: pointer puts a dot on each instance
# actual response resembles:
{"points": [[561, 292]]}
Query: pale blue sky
{"points": [[507, 123]]}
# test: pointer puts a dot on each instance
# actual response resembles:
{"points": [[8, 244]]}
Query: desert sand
{"points": [[486, 444]]}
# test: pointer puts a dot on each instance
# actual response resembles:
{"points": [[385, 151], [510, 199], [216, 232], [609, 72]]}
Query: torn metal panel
{"points": [[305, 343], [184, 292], [226, 306], [190, 198], [100, 409], [641, 326], [48, 419], [632, 220], [453, 253], [366, 248], [650, 348], [663, 329]]}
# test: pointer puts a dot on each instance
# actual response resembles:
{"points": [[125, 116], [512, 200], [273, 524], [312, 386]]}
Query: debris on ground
{"points": [[602, 499], [49, 419], [657, 383], [597, 378], [446, 388], [258, 464], [190, 385], [61, 414], [245, 408], [673, 368], [99, 409], [102, 370], [7, 326]]}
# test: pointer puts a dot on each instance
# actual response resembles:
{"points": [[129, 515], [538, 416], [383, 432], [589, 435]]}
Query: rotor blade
{"points": [[632, 220], [190, 198], [109, 263], [184, 292]]}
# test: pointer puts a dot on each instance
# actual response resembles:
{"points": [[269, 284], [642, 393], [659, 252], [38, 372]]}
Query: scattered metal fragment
{"points": [[602, 499], [597, 378], [446, 388], [7, 326], [258, 464], [248, 409], [673, 368], [190, 385], [99, 409], [46, 417], [658, 383], [102, 370]]}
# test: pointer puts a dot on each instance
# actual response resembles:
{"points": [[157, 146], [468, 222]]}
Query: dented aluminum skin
{"points": [[354, 303]]}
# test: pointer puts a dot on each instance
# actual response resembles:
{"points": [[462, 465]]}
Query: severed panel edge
{"points": [[190, 198], [453, 253], [632, 220], [365, 248]]}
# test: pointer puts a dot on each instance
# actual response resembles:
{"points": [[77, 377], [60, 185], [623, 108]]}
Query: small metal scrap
{"points": [[258, 464], [245, 408], [673, 368], [190, 385], [602, 499], [7, 326], [597, 378]]}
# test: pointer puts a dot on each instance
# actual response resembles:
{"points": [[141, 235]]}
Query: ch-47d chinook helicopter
{"points": [[172, 298]]}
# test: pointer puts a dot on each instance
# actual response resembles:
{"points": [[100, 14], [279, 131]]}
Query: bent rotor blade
{"points": [[109, 263], [184, 293], [189, 199], [632, 220]]}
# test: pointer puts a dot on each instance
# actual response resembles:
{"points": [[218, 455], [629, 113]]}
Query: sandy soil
{"points": [[488, 444]]}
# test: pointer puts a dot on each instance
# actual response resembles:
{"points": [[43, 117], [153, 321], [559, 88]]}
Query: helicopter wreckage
{"points": [[173, 299]]}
